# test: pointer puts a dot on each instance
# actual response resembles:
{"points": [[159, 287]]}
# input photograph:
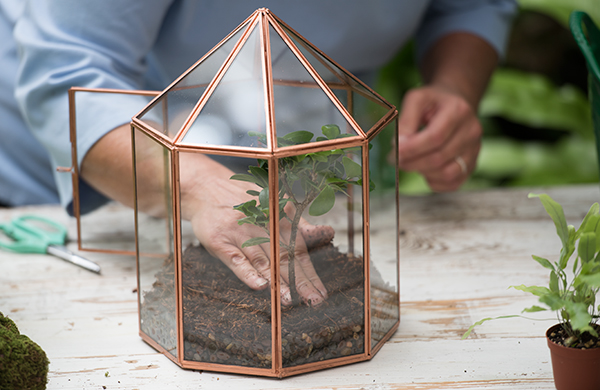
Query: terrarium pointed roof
{"points": [[258, 89]]}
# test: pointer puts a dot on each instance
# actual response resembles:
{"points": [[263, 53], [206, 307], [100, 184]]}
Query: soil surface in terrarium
{"points": [[228, 323], [587, 340]]}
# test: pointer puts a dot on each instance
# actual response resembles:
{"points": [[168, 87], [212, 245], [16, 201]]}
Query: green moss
{"points": [[23, 364]]}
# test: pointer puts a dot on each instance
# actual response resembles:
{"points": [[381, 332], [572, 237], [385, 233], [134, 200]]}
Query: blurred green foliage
{"points": [[561, 9], [537, 122]]}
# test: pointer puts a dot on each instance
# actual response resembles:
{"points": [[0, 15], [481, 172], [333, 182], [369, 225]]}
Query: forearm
{"points": [[108, 168], [461, 63]]}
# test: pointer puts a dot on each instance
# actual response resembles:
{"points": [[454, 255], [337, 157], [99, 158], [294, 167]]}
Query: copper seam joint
{"points": [[64, 169]]}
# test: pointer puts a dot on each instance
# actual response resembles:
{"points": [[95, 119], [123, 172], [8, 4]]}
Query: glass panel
{"points": [[169, 113], [325, 189], [300, 104], [90, 120], [236, 108], [156, 265], [366, 107], [383, 233], [224, 320]]}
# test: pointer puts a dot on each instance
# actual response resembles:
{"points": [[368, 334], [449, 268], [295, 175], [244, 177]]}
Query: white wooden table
{"points": [[460, 252]]}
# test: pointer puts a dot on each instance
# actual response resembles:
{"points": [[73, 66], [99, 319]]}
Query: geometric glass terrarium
{"points": [[288, 143]]}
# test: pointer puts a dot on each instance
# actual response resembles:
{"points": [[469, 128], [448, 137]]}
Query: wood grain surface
{"points": [[459, 254]]}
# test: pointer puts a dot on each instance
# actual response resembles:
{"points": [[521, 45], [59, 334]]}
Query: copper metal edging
{"points": [[267, 67], [209, 53], [284, 372], [136, 228], [246, 151], [74, 156], [398, 253], [276, 327], [340, 107], [366, 245], [306, 43], [74, 162], [150, 341], [382, 123], [324, 364], [176, 217], [215, 81], [225, 368], [147, 129]]}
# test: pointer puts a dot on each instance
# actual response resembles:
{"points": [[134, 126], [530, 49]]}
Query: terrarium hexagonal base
{"points": [[227, 326]]}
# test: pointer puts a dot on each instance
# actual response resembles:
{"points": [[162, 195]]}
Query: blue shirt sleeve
{"points": [[489, 19], [98, 44]]}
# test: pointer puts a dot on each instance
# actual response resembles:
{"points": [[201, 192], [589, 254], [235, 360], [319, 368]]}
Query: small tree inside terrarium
{"points": [[275, 117], [320, 175]]}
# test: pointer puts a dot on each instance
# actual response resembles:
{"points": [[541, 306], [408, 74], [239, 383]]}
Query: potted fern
{"points": [[571, 293]]}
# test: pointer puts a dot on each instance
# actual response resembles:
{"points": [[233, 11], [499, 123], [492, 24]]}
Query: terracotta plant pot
{"points": [[574, 368]]}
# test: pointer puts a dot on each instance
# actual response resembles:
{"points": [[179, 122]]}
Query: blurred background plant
{"points": [[535, 114]]}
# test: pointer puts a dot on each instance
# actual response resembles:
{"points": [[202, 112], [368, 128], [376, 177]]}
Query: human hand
{"points": [[439, 136], [208, 203]]}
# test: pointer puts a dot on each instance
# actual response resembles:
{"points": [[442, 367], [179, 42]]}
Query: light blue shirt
{"points": [[146, 44]]}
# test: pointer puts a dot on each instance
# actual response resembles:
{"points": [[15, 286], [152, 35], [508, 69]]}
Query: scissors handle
{"points": [[46, 229], [27, 236], [21, 241]]}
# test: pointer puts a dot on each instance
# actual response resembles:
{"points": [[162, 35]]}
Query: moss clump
{"points": [[23, 364]]}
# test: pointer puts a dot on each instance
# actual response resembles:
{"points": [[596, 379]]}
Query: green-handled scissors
{"points": [[35, 234]]}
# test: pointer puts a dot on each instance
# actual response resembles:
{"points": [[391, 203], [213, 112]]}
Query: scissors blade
{"points": [[65, 254]]}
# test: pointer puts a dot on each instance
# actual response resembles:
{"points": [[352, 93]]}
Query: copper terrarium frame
{"points": [[172, 133]]}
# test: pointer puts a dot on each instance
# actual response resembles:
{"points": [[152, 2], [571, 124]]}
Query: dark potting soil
{"points": [[587, 340], [226, 322]]}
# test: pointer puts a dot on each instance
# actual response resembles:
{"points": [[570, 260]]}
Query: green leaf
{"points": [[331, 131], [535, 290], [590, 221], [263, 197], [468, 332], [568, 248], [244, 177], [255, 241], [534, 309], [249, 219], [534, 100], [557, 214], [323, 202], [587, 247], [352, 168], [592, 281], [320, 156], [544, 262], [578, 316], [371, 184], [553, 282], [263, 163], [561, 9], [261, 176], [552, 300], [298, 137], [247, 208], [252, 192]]}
